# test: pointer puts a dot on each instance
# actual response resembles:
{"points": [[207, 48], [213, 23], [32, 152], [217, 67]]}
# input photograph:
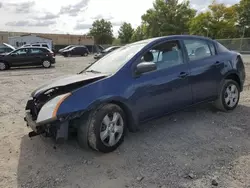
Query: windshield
{"points": [[113, 61], [71, 48], [68, 47], [108, 49]]}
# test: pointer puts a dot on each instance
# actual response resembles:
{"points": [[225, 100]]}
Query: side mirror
{"points": [[145, 67]]}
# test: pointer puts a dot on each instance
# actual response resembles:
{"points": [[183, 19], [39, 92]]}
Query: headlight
{"points": [[49, 109]]}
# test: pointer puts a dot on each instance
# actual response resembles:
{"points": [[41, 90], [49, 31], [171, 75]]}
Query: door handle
{"points": [[183, 75]]}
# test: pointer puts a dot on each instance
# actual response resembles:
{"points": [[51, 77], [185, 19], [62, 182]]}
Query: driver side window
{"points": [[164, 55], [23, 51]]}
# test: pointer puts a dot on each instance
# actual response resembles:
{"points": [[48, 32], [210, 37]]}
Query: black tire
{"points": [[3, 66], [89, 130], [85, 54], [220, 103]]}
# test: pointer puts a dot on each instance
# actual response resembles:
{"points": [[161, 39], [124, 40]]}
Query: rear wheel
{"points": [[104, 129], [85, 54], [3, 66], [229, 96], [46, 64]]}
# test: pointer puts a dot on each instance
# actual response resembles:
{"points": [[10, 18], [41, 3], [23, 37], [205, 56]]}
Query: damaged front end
{"points": [[41, 110]]}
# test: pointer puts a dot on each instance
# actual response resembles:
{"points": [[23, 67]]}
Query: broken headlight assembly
{"points": [[50, 108]]}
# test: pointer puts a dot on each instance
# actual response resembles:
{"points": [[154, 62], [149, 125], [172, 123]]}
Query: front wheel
{"points": [[85, 54], [104, 128], [229, 96]]}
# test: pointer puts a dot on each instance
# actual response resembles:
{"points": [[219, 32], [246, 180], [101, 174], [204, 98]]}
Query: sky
{"points": [[76, 16]]}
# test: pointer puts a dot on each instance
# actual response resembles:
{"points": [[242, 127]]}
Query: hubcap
{"points": [[231, 95], [2, 66], [111, 129], [46, 63]]}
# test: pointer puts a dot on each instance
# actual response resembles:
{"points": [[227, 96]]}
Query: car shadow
{"points": [[12, 69], [195, 140]]}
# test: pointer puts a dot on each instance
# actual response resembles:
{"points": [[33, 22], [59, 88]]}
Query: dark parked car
{"points": [[105, 52], [94, 48], [76, 51], [137, 82], [65, 48], [27, 56]]}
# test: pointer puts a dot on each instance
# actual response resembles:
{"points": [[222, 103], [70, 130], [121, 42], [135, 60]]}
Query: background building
{"points": [[19, 41], [58, 40]]}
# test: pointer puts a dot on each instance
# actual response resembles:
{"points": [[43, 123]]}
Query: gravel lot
{"points": [[193, 148]]}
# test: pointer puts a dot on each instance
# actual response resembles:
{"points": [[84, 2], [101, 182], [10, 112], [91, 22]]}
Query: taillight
{"points": [[52, 53]]}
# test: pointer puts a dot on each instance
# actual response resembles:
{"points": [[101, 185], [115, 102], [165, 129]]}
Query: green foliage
{"points": [[168, 18], [218, 22], [177, 17], [102, 31], [138, 34], [116, 42], [125, 33], [243, 13]]}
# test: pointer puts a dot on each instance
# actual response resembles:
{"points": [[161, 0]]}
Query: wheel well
{"points": [[130, 119], [234, 77]]}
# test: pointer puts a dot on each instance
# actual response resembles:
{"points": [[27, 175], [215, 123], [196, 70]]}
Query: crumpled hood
{"points": [[77, 80]]}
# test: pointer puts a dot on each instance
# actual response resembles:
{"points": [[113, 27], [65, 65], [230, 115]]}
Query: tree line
{"points": [[175, 17]]}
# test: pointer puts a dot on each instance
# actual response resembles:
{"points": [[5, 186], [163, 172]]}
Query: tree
{"points": [[116, 42], [102, 31], [200, 25], [138, 34], [166, 18], [125, 33], [218, 22], [243, 13]]}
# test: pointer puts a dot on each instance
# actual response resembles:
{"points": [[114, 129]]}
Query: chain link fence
{"points": [[238, 44]]}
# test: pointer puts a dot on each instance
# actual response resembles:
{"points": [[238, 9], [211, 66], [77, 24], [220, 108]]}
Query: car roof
{"points": [[34, 47], [174, 37]]}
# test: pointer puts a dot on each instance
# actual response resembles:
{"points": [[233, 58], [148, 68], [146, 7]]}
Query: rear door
{"points": [[36, 55], [205, 69]]}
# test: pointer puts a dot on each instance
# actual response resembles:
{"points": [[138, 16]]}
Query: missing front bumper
{"points": [[58, 130]]}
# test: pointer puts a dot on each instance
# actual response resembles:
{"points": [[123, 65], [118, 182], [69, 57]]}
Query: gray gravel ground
{"points": [[194, 148]]}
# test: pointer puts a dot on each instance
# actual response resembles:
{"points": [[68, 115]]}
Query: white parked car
{"points": [[45, 45]]}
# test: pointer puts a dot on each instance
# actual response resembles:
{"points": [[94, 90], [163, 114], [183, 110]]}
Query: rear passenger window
{"points": [[36, 51], [44, 45], [198, 49]]}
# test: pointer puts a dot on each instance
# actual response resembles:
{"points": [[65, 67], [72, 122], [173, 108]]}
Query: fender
{"points": [[91, 96]]}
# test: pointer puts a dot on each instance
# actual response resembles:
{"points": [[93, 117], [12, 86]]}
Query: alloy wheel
{"points": [[231, 95], [46, 64], [111, 129]]}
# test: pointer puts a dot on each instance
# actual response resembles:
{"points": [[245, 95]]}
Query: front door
{"points": [[205, 69], [19, 57], [166, 89]]}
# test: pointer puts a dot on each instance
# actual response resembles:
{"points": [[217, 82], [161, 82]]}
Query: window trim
{"points": [[198, 39], [137, 60]]}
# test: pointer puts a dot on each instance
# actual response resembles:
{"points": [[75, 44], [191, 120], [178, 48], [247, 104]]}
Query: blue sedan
{"points": [[136, 83]]}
